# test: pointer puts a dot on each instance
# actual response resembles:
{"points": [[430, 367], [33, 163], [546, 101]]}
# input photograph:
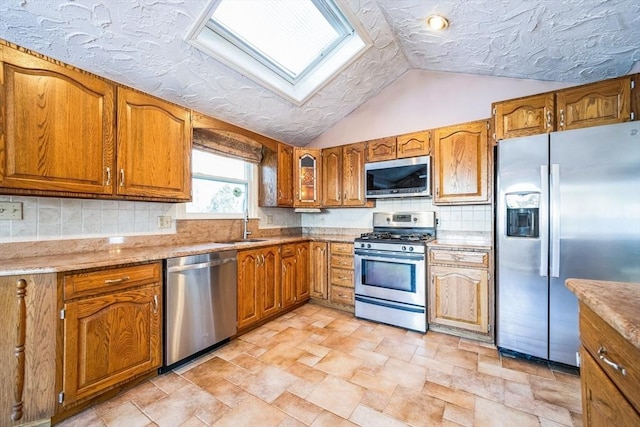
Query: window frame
{"points": [[298, 93], [252, 188]]}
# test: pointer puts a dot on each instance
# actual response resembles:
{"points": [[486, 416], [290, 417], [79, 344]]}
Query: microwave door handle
{"points": [[543, 217]]}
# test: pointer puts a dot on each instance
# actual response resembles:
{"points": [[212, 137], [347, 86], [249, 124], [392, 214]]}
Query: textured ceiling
{"points": [[140, 43]]}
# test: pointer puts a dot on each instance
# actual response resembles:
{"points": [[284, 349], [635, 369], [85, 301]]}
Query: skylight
{"points": [[292, 47]]}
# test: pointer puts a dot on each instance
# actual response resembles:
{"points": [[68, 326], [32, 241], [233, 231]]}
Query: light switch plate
{"points": [[11, 210]]}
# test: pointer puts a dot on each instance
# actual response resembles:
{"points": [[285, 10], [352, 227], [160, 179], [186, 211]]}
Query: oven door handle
{"points": [[381, 256]]}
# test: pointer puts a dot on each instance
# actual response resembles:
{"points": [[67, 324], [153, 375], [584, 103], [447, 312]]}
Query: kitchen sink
{"points": [[248, 240]]}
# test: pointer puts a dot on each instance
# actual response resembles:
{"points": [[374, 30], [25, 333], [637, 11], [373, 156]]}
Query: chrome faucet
{"points": [[245, 231]]}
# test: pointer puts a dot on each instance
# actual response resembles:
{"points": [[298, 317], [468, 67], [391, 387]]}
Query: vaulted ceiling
{"points": [[141, 44]]}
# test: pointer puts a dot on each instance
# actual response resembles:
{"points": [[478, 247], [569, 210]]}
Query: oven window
{"points": [[390, 275]]}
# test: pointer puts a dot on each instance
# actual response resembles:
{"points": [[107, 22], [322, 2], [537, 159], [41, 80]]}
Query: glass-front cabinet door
{"points": [[307, 175]]}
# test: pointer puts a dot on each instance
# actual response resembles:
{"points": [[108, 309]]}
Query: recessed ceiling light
{"points": [[437, 22]]}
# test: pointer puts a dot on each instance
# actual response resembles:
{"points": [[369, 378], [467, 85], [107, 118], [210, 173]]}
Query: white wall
{"points": [[424, 100]]}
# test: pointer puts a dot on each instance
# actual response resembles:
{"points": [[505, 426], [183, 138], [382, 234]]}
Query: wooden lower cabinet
{"points": [[603, 404], [341, 274], [258, 284], [295, 273], [609, 395], [112, 336], [27, 349], [459, 289], [318, 270]]}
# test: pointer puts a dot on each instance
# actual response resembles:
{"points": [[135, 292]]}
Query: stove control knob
{"points": [[362, 245], [410, 248], [368, 245], [404, 248]]}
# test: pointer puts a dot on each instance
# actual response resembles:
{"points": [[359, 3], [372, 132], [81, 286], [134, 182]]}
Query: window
{"points": [[221, 185], [290, 46]]}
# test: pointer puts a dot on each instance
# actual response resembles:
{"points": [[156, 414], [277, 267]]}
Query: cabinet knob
{"points": [[121, 177], [108, 176], [562, 118]]}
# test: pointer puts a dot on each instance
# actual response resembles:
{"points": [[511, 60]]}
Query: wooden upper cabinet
{"points": [[461, 164], [332, 176], [307, 175], [398, 147], [381, 149], [57, 126], [413, 144], [276, 177], [595, 104], [285, 175], [531, 115], [353, 175], [154, 147]]}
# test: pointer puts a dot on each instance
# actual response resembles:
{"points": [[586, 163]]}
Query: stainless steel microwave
{"points": [[399, 178]]}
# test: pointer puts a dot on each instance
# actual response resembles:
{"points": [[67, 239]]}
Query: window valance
{"points": [[227, 143]]}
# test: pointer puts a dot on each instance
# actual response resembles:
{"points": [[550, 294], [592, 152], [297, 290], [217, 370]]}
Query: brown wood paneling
{"points": [[381, 149], [27, 348], [413, 144], [319, 270]]}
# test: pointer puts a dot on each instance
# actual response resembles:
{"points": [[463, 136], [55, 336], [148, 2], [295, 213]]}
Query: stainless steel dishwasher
{"points": [[200, 304]]}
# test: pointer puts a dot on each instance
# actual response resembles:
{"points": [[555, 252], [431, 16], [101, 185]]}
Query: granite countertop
{"points": [[115, 256], [617, 303]]}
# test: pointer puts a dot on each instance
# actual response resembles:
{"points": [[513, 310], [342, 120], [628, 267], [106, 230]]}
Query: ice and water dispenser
{"points": [[523, 214]]}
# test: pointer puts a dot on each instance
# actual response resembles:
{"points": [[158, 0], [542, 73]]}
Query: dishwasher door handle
{"points": [[199, 265]]}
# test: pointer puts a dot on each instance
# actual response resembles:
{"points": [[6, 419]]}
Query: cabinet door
{"points": [[270, 283], [531, 115], [289, 277], [459, 297], [285, 175], [353, 175], [595, 104], [154, 147], [110, 339], [332, 176], [413, 144], [602, 403], [57, 127], [318, 270], [248, 292], [307, 178], [461, 164], [381, 149], [302, 272], [27, 348]]}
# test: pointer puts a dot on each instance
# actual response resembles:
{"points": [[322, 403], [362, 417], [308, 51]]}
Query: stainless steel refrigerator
{"points": [[567, 206]]}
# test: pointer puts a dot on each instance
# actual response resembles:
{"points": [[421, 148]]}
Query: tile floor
{"points": [[317, 366]]}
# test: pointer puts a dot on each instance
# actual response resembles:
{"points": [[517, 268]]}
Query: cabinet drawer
{"points": [[341, 295], [341, 277], [97, 282], [342, 261], [342, 248], [475, 259], [598, 337]]}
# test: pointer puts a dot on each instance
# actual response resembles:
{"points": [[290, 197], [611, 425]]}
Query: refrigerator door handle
{"points": [[555, 220], [544, 220]]}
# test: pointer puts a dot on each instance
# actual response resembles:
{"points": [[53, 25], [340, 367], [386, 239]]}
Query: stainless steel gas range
{"points": [[391, 269]]}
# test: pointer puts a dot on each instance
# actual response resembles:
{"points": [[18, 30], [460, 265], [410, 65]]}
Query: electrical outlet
{"points": [[164, 221], [269, 219], [11, 210]]}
